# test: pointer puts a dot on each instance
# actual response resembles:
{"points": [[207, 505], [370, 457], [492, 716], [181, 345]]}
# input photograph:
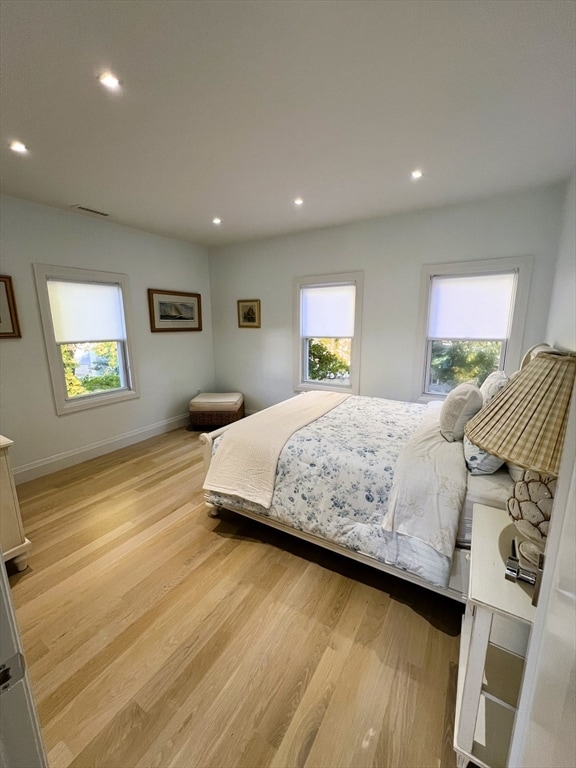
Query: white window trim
{"points": [[513, 354], [319, 280], [44, 272]]}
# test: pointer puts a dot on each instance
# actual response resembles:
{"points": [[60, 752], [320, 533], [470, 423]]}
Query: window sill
{"points": [[347, 390], [95, 401], [426, 398]]}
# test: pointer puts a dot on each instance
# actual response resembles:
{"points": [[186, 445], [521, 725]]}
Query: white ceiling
{"points": [[233, 109]]}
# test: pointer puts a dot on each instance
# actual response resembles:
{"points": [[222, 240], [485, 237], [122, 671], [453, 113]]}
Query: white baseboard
{"points": [[51, 464]]}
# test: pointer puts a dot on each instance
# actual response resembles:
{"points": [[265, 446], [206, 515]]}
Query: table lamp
{"points": [[525, 425]]}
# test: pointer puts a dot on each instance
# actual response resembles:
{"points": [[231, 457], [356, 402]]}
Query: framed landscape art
{"points": [[174, 311]]}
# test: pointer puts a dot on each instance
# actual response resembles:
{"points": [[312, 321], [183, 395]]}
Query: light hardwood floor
{"points": [[158, 636]]}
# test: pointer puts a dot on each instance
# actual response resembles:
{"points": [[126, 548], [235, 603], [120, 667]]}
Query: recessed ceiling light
{"points": [[416, 174], [17, 146], [298, 201], [109, 81], [217, 221]]}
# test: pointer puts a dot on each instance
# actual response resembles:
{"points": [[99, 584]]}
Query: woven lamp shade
{"points": [[525, 423]]}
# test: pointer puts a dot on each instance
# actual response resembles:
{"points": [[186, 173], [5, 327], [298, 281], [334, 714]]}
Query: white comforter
{"points": [[429, 488]]}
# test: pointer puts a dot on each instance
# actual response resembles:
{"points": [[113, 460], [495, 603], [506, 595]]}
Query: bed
{"points": [[369, 478]]}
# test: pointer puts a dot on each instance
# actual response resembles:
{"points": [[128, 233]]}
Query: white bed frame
{"points": [[458, 584]]}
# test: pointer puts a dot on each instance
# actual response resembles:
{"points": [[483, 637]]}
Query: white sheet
{"points": [[429, 488], [491, 490]]}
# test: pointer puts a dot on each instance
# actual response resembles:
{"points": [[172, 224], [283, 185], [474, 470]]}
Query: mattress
{"points": [[492, 490]]}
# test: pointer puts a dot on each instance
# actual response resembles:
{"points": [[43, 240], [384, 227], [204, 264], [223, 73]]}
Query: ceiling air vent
{"points": [[91, 211]]}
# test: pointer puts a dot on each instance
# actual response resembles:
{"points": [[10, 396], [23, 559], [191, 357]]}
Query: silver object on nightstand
{"points": [[515, 571]]}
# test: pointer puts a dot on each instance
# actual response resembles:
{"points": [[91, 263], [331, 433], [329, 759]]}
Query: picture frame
{"points": [[249, 313], [9, 324], [174, 311]]}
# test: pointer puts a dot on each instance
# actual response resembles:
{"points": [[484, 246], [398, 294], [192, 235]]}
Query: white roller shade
{"points": [[471, 307], [86, 311], [328, 311]]}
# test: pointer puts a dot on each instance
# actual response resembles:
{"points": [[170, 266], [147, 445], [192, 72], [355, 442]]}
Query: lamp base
{"points": [[528, 553], [530, 506]]}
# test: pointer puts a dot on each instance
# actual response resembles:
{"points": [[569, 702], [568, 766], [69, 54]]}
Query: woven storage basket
{"points": [[215, 418]]}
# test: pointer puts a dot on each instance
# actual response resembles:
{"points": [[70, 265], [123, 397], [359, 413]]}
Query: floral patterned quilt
{"points": [[334, 479]]}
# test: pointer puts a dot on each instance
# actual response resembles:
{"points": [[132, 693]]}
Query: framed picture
{"points": [[9, 325], [174, 311], [249, 313]]}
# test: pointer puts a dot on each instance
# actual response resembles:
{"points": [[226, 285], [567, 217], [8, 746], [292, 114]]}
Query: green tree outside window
{"points": [[456, 362]]}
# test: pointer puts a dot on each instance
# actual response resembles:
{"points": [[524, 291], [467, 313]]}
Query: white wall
{"points": [[391, 251], [171, 366], [561, 331], [257, 362]]}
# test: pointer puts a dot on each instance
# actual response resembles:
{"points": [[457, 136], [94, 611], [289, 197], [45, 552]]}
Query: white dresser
{"points": [[14, 543]]}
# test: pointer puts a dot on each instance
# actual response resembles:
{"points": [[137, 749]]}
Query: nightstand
{"points": [[495, 632], [14, 544]]}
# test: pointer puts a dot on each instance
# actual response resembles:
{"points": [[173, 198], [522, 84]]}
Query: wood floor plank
{"points": [[310, 712], [167, 692], [116, 674], [356, 707], [251, 647], [77, 581], [298, 675], [156, 635], [392, 748], [78, 642], [301, 640]]}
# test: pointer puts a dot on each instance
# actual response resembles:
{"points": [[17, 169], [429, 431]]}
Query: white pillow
{"points": [[458, 408], [492, 385], [479, 461]]}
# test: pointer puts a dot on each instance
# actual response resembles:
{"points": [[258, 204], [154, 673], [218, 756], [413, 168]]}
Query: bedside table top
{"points": [[492, 534]]}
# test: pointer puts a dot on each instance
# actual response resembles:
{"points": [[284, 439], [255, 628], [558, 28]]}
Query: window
{"points": [[85, 329], [327, 338], [475, 313]]}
